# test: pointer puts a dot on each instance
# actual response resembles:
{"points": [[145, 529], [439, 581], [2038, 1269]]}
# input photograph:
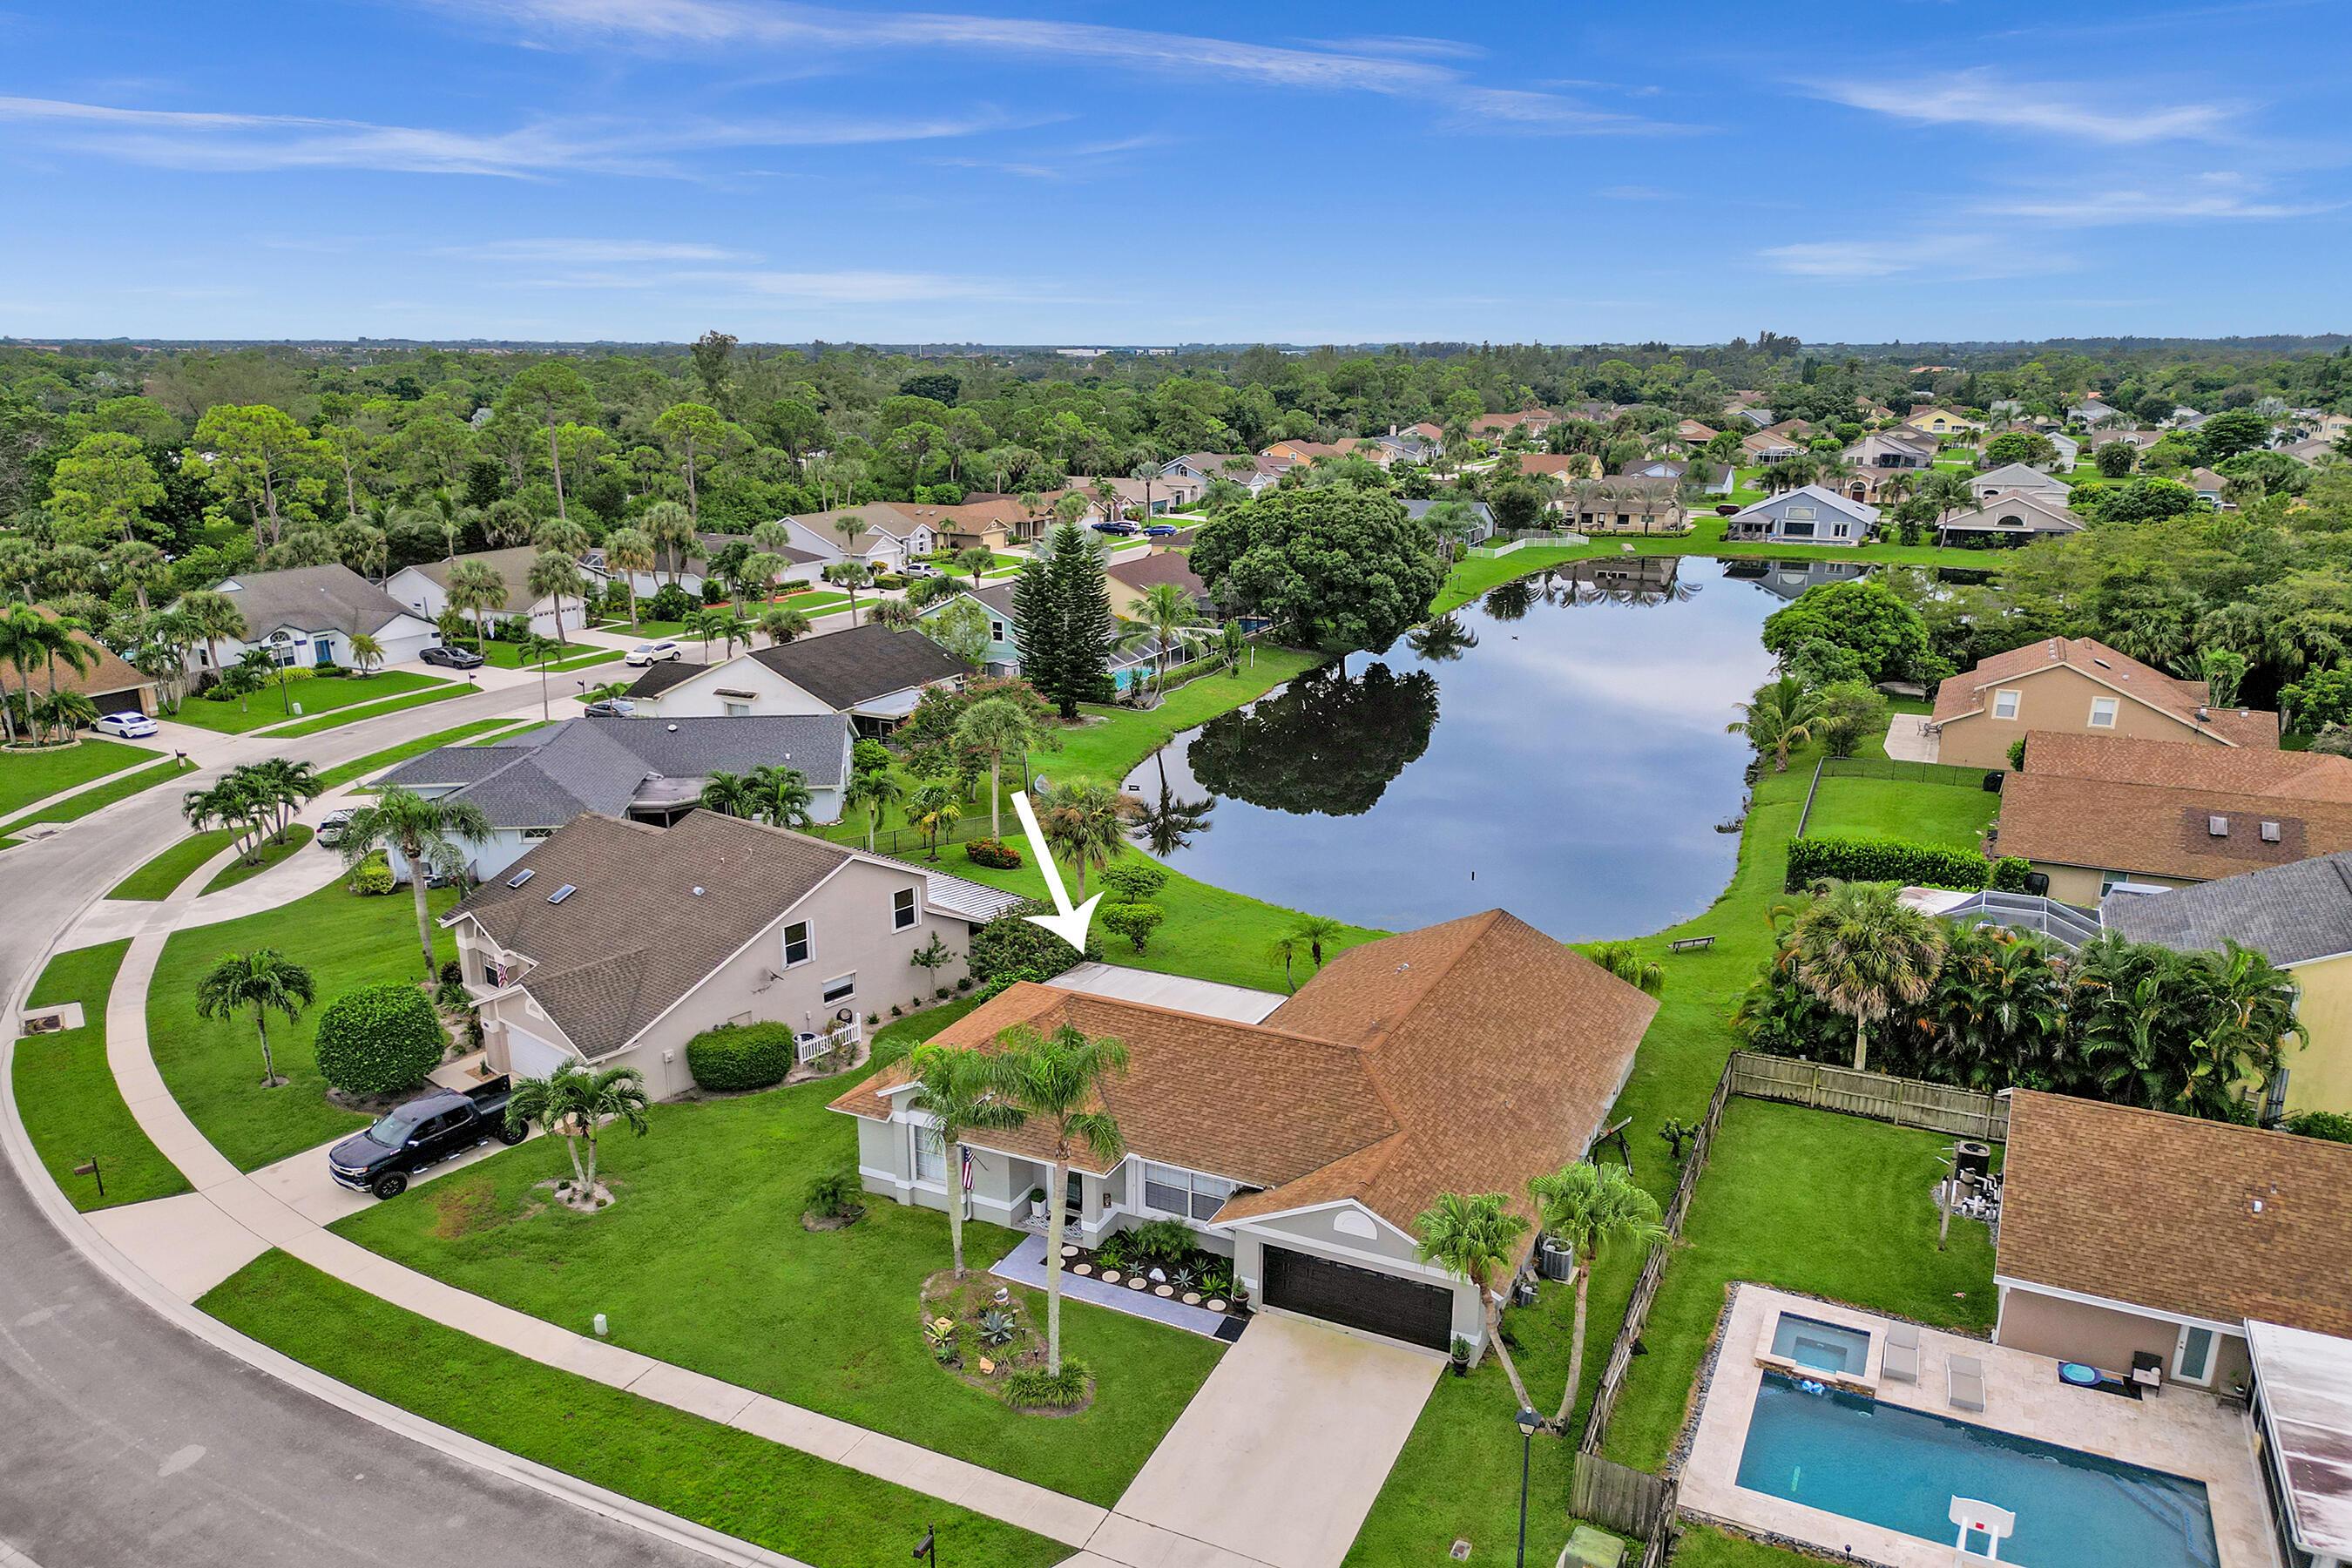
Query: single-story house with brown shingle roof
{"points": [[2127, 1231], [1463, 1057], [2091, 811], [111, 685], [1129, 579], [615, 943], [2077, 684]]}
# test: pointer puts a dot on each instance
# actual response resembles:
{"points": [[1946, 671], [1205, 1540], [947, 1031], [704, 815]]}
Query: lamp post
{"points": [[1529, 1423]]}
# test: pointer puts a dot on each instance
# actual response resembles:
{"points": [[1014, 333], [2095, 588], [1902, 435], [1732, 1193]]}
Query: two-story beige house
{"points": [[2075, 685], [613, 944]]}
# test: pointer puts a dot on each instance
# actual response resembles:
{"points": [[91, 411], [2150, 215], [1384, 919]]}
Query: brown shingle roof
{"points": [[2144, 805], [1166, 567], [2144, 684], [1467, 1057], [2159, 1210], [110, 674]]}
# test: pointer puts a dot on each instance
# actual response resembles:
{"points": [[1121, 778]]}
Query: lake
{"points": [[1556, 749]]}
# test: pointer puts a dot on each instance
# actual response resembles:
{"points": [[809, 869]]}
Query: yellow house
{"points": [[2300, 917], [2076, 686], [1942, 422]]}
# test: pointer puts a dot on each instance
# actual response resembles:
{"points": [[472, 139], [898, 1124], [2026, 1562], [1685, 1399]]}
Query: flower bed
{"points": [[1158, 1257], [981, 1331]]}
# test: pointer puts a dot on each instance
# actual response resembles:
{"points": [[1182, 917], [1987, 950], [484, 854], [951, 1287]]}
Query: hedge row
{"points": [[740, 1055], [1899, 860]]}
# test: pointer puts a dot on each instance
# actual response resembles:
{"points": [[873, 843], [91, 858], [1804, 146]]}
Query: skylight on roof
{"points": [[519, 878], [561, 893]]}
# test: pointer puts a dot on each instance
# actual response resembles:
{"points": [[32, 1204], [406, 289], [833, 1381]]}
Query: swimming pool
{"points": [[1900, 1469], [1825, 1347]]}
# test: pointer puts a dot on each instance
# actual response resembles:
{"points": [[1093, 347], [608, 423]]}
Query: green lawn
{"points": [[155, 880], [273, 850], [106, 795], [703, 1262], [213, 1066], [29, 775], [1475, 576], [66, 1092], [376, 761], [1949, 814], [1814, 1202], [336, 720], [269, 706], [1703, 1546], [509, 655], [778, 1498]]}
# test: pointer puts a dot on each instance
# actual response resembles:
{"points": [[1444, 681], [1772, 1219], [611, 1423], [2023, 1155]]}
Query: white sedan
{"points": [[133, 726], [660, 652]]}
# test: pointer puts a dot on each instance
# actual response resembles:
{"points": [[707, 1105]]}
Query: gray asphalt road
{"points": [[124, 1440]]}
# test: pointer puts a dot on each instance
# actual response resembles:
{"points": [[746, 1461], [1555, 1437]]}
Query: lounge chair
{"points": [[1901, 1361], [1964, 1383]]}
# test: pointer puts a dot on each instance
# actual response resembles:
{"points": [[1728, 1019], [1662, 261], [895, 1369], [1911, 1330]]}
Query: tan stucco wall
{"points": [[2057, 699], [2071, 1330], [2319, 1076], [2079, 885], [699, 698]]}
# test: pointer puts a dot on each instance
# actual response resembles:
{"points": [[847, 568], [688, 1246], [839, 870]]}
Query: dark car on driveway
{"points": [[424, 1131], [1120, 527], [452, 658]]}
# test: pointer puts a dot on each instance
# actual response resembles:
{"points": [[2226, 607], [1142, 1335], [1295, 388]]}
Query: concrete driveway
{"points": [[1277, 1459]]}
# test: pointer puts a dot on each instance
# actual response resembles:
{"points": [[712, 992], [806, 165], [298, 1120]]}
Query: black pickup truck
{"points": [[424, 1131]]}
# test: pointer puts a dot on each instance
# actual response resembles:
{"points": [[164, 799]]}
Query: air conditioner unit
{"points": [[1555, 1259]]}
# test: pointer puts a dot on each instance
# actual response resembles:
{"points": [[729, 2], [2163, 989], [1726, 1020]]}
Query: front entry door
{"points": [[1074, 1192], [2192, 1357]]}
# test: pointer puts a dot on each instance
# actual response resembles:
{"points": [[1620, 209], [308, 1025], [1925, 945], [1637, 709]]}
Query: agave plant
{"points": [[997, 1327]]}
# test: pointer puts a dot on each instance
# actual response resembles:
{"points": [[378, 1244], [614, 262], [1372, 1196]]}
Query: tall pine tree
{"points": [[1037, 626], [1087, 630]]}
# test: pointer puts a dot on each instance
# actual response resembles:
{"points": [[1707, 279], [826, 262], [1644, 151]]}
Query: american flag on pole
{"points": [[966, 1155]]}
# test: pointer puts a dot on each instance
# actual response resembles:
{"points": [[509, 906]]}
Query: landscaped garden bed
{"points": [[1158, 1258], [980, 1332]]}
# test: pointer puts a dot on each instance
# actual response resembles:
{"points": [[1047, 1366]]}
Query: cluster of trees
{"points": [[255, 803], [1857, 975], [1062, 622]]}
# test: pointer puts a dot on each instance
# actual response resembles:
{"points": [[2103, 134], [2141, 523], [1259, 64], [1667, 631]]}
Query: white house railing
{"points": [[808, 1046]]}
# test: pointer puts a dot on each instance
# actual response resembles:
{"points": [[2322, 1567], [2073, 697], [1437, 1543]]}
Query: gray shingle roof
{"points": [[512, 565], [844, 669], [311, 599], [549, 777], [659, 677], [2291, 913]]}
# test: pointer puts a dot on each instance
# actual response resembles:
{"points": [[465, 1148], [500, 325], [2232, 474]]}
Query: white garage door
{"points": [[529, 1058]]}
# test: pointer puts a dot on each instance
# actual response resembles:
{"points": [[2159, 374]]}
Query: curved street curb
{"points": [[102, 1255]]}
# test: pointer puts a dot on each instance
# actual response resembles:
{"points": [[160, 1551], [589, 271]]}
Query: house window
{"points": [[2102, 712], [796, 943], [539, 833], [840, 987], [996, 631], [1800, 514], [1168, 1189], [902, 909], [1797, 529], [930, 1155], [1837, 531], [738, 709], [2004, 704]]}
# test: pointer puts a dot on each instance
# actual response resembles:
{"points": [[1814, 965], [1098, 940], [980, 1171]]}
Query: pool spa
{"points": [[1900, 1469], [1825, 1347]]}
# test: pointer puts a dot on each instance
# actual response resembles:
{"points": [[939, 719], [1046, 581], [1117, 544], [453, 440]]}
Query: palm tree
{"points": [[537, 649], [729, 795], [1592, 1206], [1168, 825], [849, 576], [23, 643], [898, 614], [998, 726], [213, 616], [1058, 1079], [280, 786], [764, 568], [629, 550], [1168, 615], [475, 588], [935, 809], [555, 575], [974, 561], [366, 652], [876, 791], [782, 796], [425, 833], [1084, 822], [264, 980], [1621, 960], [229, 801], [1306, 934], [563, 536], [670, 527], [1474, 1236], [1863, 951], [1781, 714], [574, 1103], [45, 639], [780, 623], [957, 1088]]}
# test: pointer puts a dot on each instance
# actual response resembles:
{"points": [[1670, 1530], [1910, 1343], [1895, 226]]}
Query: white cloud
{"points": [[2199, 198], [233, 142], [1970, 254], [802, 29], [1634, 194], [1982, 96], [585, 251], [856, 287]]}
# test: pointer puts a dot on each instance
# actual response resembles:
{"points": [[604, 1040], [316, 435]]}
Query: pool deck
{"points": [[2180, 1431]]}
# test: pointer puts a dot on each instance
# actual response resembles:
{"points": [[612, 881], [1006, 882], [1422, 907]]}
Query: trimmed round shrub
{"points": [[373, 877], [1133, 922], [740, 1055], [989, 852], [379, 1039]]}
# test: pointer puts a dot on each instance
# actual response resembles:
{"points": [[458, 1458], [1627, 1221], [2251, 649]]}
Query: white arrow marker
{"points": [[1067, 924]]}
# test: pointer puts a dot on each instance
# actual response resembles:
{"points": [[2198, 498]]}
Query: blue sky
{"points": [[1564, 170]]}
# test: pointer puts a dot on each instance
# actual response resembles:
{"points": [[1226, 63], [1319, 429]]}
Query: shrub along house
{"points": [[613, 944], [1463, 1057], [530, 784], [2076, 686], [2092, 812]]}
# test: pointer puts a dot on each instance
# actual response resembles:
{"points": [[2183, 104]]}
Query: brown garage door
{"points": [[125, 701], [1359, 1298]]}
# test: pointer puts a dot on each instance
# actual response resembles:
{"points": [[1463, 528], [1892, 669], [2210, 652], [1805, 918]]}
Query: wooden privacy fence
{"points": [[1645, 1288], [1905, 1101], [1618, 1497]]}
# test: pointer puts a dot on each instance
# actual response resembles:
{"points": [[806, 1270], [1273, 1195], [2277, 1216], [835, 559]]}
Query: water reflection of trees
{"points": [[1169, 824], [1442, 641], [1327, 744]]}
